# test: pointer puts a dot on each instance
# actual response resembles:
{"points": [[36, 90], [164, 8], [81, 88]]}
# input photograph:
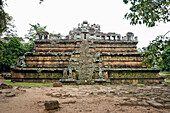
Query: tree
{"points": [[33, 31], [28, 46], [158, 53], [10, 30], [7, 27], [148, 12], [2, 51], [9, 53], [4, 18], [166, 62]]}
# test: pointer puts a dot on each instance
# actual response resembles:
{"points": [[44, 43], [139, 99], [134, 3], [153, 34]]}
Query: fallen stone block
{"points": [[56, 95], [5, 86], [167, 106], [10, 94], [125, 98], [50, 105], [155, 104]]}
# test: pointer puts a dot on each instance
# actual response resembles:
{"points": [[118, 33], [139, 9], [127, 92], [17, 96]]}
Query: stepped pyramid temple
{"points": [[85, 56]]}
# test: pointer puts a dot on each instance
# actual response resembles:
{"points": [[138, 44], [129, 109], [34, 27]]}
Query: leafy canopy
{"points": [[158, 53], [148, 12], [9, 53]]}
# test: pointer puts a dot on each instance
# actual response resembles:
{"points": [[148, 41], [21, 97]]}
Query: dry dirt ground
{"points": [[86, 99]]}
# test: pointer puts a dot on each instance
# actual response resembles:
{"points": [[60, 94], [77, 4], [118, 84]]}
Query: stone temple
{"points": [[85, 56]]}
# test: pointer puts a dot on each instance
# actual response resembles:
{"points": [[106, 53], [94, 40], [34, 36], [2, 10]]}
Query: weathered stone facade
{"points": [[85, 56]]}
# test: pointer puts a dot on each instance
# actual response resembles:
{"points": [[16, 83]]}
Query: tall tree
{"points": [[148, 12], [158, 53], [3, 18], [7, 27], [9, 53]]}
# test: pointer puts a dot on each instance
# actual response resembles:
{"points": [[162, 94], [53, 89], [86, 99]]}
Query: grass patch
{"points": [[139, 84], [27, 84]]}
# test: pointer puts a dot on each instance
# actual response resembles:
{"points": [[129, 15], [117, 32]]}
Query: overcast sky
{"points": [[61, 16]]}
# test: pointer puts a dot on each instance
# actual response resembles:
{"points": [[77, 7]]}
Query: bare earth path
{"points": [[86, 99]]}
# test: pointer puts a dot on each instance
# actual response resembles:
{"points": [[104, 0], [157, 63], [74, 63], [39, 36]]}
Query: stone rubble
{"points": [[91, 98], [5, 86], [50, 105], [155, 96], [11, 94]]}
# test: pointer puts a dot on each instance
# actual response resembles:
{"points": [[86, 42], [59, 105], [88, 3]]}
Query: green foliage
{"points": [[158, 53], [3, 20], [33, 31], [148, 12], [10, 51], [10, 30], [6, 22], [28, 46], [2, 50], [166, 59]]}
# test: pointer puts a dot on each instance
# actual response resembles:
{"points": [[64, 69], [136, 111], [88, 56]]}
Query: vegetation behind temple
{"points": [[10, 51], [157, 53]]}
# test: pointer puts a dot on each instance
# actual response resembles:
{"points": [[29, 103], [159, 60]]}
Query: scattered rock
{"points": [[101, 92], [10, 94], [50, 105], [57, 84], [167, 106], [109, 95], [5, 86], [91, 93], [66, 95], [18, 88], [126, 98], [155, 104], [69, 102], [40, 103], [88, 110], [56, 94], [48, 94], [73, 95], [112, 91], [23, 90]]}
